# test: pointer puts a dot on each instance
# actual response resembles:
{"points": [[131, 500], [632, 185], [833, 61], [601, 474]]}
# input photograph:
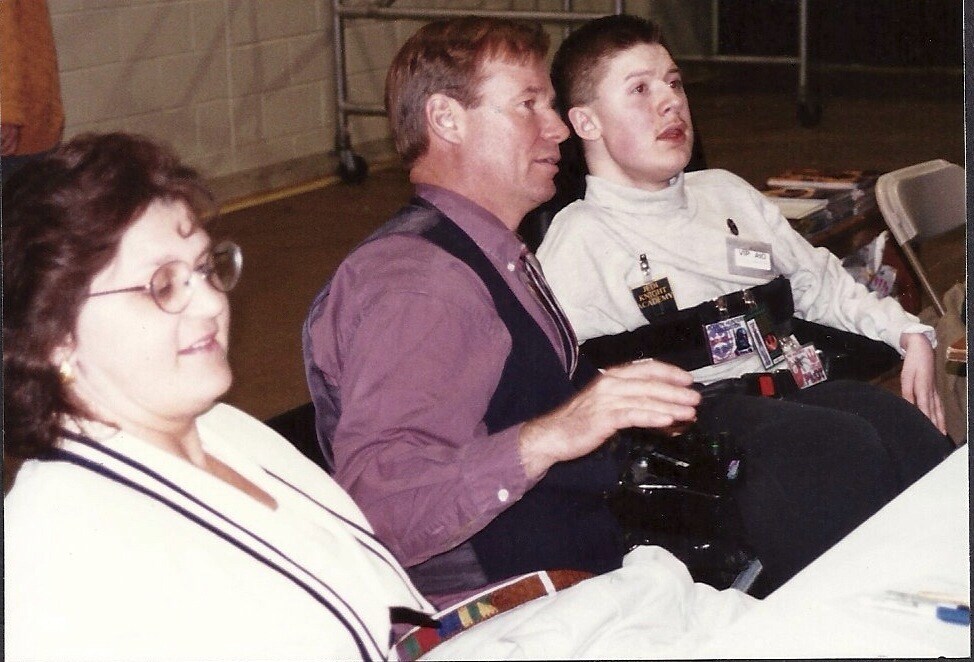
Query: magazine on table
{"points": [[824, 178], [797, 203]]}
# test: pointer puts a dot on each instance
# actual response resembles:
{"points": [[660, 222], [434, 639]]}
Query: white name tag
{"points": [[745, 257], [748, 258]]}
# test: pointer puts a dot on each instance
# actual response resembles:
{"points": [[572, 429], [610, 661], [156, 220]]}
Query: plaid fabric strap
{"points": [[497, 600]]}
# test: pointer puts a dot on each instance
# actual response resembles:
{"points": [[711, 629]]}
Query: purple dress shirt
{"points": [[411, 338]]}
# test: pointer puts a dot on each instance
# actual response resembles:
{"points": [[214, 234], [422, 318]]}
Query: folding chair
{"points": [[920, 202]]}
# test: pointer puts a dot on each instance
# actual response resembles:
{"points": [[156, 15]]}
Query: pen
{"points": [[914, 603], [941, 597], [960, 614], [945, 600]]}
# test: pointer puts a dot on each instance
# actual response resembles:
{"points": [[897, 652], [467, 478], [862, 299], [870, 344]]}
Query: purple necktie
{"points": [[535, 280]]}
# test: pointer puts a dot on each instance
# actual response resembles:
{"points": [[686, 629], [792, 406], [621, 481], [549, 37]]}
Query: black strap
{"points": [[409, 616], [679, 337], [775, 384]]}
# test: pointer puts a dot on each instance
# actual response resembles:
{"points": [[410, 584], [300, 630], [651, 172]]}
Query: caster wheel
{"points": [[352, 168], [809, 113]]}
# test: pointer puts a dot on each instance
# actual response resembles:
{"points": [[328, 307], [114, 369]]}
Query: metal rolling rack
{"points": [[353, 168], [809, 107]]}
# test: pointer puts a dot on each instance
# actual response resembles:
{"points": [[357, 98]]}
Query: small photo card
{"points": [[728, 339], [806, 365], [765, 340]]}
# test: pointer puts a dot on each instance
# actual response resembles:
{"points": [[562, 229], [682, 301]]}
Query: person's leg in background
{"points": [[912, 441]]}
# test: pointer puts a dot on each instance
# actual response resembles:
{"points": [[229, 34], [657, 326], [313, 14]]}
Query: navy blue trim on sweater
{"points": [[395, 567], [59, 454]]}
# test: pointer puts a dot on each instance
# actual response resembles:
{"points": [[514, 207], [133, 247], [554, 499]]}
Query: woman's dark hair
{"points": [[63, 219]]}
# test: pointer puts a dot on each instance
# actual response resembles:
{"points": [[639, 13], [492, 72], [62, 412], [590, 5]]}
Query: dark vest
{"points": [[564, 521]]}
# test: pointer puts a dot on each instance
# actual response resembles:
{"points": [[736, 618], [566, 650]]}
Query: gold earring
{"points": [[66, 373]]}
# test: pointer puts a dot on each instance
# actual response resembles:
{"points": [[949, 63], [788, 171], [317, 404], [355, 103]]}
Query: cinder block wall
{"points": [[232, 84], [239, 86]]}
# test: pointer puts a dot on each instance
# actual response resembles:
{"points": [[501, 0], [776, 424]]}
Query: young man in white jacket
{"points": [[650, 245]]}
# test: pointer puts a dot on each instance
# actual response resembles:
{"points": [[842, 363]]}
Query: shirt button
{"points": [[511, 266], [503, 495]]}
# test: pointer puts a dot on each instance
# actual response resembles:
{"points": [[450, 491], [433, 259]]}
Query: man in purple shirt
{"points": [[445, 388]]}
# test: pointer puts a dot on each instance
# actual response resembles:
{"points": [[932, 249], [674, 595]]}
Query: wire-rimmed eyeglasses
{"points": [[172, 284]]}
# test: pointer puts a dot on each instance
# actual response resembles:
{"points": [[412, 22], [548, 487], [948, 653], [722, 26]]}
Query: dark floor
{"points": [[747, 117]]}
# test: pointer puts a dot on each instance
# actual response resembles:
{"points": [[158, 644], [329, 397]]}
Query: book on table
{"points": [[812, 199], [822, 178], [798, 202], [794, 204]]}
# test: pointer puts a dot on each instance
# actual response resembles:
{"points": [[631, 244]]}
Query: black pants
{"points": [[818, 463]]}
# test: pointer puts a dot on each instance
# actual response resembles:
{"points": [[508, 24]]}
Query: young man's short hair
{"points": [[581, 59], [447, 57]]}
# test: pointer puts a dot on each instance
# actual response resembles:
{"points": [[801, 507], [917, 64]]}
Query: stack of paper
{"points": [[798, 208]]}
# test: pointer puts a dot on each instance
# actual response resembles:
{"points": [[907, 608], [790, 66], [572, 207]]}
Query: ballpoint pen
{"points": [[940, 606]]}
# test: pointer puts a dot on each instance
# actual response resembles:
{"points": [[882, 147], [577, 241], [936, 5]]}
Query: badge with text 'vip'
{"points": [[748, 258]]}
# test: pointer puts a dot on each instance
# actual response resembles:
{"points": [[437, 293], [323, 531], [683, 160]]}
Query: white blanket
{"points": [[649, 608]]}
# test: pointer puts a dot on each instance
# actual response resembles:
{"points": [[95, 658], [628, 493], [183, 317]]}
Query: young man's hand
{"points": [[643, 394], [917, 378]]}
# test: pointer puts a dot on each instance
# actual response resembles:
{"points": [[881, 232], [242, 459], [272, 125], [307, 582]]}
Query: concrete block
{"points": [[259, 68], [86, 39], [161, 28]]}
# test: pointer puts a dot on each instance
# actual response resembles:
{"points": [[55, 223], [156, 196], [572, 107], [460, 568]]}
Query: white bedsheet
{"points": [[649, 608], [918, 542]]}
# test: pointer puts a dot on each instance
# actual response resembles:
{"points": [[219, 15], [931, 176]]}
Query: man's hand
{"points": [[9, 138], [917, 378], [644, 394]]}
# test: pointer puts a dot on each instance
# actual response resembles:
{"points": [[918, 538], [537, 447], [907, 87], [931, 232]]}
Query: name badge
{"points": [[748, 258], [655, 299]]}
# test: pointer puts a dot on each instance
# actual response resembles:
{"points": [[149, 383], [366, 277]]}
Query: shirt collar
{"points": [[604, 193], [487, 231]]}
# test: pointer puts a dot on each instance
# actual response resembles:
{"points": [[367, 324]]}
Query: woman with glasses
{"points": [[146, 521]]}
